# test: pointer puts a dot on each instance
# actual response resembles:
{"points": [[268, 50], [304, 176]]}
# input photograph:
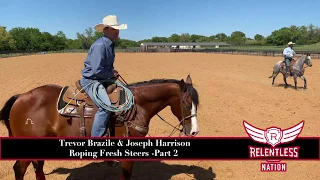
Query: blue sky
{"points": [[148, 18]]}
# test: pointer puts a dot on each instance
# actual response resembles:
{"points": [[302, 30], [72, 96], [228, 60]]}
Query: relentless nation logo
{"points": [[273, 136]]}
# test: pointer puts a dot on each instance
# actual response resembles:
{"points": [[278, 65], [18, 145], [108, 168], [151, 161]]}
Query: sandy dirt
{"points": [[232, 88]]}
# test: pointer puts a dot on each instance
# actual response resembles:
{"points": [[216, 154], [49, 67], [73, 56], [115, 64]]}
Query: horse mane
{"points": [[301, 57], [154, 81], [191, 89]]}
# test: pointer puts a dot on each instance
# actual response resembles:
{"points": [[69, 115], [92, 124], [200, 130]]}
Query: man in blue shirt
{"points": [[99, 66], [288, 54]]}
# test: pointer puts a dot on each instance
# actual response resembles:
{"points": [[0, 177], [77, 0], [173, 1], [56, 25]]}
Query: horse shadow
{"points": [[289, 86], [142, 170]]}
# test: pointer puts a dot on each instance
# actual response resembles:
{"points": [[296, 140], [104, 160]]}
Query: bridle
{"points": [[184, 118]]}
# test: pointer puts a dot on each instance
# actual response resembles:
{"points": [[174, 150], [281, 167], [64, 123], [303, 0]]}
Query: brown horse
{"points": [[52, 110]]}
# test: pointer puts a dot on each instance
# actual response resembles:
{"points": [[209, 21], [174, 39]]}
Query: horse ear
{"points": [[189, 81], [183, 85]]}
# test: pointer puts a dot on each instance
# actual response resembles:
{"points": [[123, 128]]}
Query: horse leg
{"points": [[295, 81], [305, 81], [20, 168], [274, 77], [285, 81], [38, 167], [126, 169], [275, 73]]}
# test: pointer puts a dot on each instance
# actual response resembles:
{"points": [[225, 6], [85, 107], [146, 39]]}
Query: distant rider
{"points": [[288, 54]]}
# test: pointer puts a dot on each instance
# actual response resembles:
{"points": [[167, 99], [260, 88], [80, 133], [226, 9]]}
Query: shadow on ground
{"points": [[289, 86], [141, 171]]}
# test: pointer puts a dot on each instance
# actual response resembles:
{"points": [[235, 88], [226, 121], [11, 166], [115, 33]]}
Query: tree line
{"points": [[32, 39]]}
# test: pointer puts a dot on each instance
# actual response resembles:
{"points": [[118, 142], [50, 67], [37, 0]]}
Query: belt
{"points": [[94, 78]]}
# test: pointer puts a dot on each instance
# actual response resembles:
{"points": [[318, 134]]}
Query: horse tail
{"points": [[272, 74], [5, 111]]}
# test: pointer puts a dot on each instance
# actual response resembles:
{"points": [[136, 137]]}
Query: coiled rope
{"points": [[129, 98]]}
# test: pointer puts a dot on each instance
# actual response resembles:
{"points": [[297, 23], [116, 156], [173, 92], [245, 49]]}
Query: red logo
{"points": [[273, 135]]}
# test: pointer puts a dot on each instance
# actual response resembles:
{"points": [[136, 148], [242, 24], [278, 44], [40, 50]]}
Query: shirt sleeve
{"points": [[287, 52], [98, 59]]}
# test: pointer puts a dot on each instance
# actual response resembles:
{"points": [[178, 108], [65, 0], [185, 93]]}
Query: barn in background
{"points": [[176, 46]]}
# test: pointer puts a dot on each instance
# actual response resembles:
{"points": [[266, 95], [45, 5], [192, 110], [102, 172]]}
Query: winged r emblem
{"points": [[273, 135]]}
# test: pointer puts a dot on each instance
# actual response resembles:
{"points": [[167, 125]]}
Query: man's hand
{"points": [[115, 74]]}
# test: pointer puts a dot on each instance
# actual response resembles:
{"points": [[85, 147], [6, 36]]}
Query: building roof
{"points": [[185, 44]]}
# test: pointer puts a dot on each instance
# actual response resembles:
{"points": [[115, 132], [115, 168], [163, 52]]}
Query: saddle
{"points": [[74, 102], [283, 64]]}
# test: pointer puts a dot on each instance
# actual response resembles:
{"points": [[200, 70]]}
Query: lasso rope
{"points": [[123, 107], [129, 99]]}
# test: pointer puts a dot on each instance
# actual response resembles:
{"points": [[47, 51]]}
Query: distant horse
{"points": [[51, 111], [296, 70]]}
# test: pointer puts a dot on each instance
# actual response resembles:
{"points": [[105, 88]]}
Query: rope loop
{"points": [[129, 98]]}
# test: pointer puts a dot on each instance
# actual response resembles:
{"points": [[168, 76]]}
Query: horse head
{"points": [[153, 96], [307, 60], [190, 102]]}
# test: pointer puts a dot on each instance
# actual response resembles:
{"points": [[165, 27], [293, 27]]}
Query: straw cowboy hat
{"points": [[110, 21], [291, 43]]}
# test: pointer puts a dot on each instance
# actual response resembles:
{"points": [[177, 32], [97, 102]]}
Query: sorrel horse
{"points": [[296, 70], [51, 111]]}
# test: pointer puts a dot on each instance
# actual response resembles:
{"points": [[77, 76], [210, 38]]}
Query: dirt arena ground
{"points": [[232, 88]]}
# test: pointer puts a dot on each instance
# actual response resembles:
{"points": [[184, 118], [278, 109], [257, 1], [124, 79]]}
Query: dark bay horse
{"points": [[38, 113], [296, 67]]}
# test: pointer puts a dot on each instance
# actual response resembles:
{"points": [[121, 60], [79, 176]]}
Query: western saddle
{"points": [[283, 65], [74, 102]]}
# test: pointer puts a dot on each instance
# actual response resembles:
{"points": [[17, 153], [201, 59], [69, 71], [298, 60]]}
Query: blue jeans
{"points": [[102, 116], [287, 61]]}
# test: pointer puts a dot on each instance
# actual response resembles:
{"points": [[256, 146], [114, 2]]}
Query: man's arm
{"points": [[285, 52], [98, 60]]}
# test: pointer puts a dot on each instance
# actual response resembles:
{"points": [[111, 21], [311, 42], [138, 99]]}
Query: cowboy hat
{"points": [[110, 21], [291, 43]]}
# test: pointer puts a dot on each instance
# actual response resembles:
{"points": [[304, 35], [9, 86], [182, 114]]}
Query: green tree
{"points": [[47, 40], [174, 38], [221, 37], [258, 37], [198, 38], [159, 39], [6, 41], [59, 41], [20, 37], [185, 37], [87, 38], [238, 38]]}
